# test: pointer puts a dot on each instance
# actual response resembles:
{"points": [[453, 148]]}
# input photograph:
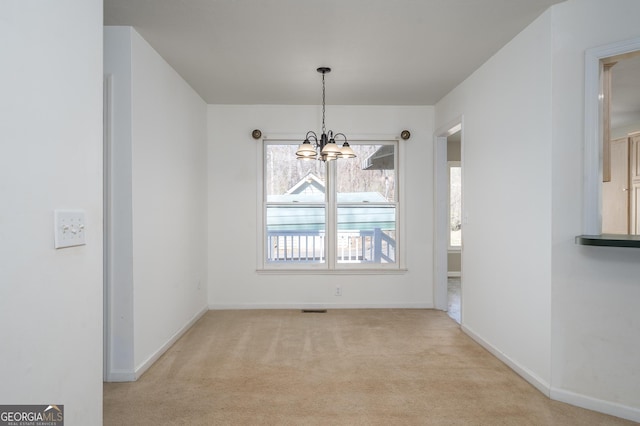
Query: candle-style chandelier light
{"points": [[325, 147]]}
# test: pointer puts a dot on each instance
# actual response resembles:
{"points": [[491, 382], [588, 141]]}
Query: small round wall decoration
{"points": [[256, 134]]}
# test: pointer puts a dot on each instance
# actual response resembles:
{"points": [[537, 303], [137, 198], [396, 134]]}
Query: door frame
{"points": [[441, 211], [107, 224]]}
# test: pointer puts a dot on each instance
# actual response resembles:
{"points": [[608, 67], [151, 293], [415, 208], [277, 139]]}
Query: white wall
{"points": [[51, 144], [506, 262], [566, 313], [623, 131], [164, 162], [233, 209], [596, 321]]}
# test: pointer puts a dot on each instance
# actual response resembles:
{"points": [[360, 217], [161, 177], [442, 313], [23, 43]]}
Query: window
{"points": [[455, 205], [337, 215]]}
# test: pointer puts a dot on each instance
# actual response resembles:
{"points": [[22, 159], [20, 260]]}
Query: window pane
{"points": [[455, 206], [297, 207], [366, 234], [295, 234], [370, 177], [289, 179]]}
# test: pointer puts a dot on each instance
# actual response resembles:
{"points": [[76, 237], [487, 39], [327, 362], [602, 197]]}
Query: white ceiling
{"points": [[382, 52]]}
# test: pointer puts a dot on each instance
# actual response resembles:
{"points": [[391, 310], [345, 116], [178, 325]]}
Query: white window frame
{"points": [[331, 265]]}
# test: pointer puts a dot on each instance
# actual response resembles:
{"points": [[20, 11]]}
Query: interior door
{"points": [[615, 193]]}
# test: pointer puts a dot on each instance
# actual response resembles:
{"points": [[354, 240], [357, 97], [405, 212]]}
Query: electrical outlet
{"points": [[338, 291]]}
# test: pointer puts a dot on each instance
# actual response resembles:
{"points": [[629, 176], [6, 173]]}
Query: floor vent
{"points": [[314, 311]]}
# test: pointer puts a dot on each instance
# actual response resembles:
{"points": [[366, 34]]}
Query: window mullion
{"points": [[332, 215]]}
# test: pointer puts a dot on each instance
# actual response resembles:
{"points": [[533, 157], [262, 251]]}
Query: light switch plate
{"points": [[69, 228]]}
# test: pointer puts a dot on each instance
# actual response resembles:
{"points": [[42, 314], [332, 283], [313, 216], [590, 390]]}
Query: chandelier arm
{"points": [[340, 134]]}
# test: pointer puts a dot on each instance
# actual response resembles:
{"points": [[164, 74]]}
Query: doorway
{"points": [[454, 228], [448, 220]]}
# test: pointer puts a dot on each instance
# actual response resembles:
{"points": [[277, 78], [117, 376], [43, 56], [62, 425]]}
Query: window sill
{"points": [[609, 240], [332, 271]]}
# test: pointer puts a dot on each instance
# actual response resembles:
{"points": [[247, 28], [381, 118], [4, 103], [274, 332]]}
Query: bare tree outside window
{"points": [[455, 206]]}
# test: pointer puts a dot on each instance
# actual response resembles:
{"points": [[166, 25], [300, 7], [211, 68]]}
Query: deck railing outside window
{"points": [[371, 246]]}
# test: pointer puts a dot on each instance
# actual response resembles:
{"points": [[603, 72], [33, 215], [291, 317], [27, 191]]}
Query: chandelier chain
{"points": [[323, 101]]}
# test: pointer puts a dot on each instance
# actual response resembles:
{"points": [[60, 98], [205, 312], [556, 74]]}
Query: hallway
{"points": [[453, 298]]}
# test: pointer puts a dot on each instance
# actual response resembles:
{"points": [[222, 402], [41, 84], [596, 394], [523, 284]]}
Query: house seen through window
{"points": [[335, 214]]}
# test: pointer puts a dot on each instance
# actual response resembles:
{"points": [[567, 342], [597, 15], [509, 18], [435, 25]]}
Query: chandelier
{"points": [[325, 147]]}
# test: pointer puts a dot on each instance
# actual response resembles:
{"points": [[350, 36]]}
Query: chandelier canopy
{"points": [[325, 147]]}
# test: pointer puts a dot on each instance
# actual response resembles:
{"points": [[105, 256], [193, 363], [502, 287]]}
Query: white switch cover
{"points": [[69, 228]]}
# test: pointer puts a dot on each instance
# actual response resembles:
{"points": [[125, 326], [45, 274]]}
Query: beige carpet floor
{"points": [[343, 367]]}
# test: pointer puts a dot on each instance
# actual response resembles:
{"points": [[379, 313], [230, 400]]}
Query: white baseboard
{"points": [[606, 407], [156, 355], [583, 401], [121, 376], [525, 373], [241, 306]]}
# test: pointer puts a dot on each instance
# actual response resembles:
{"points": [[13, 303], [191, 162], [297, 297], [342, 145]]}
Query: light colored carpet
{"points": [[343, 367]]}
